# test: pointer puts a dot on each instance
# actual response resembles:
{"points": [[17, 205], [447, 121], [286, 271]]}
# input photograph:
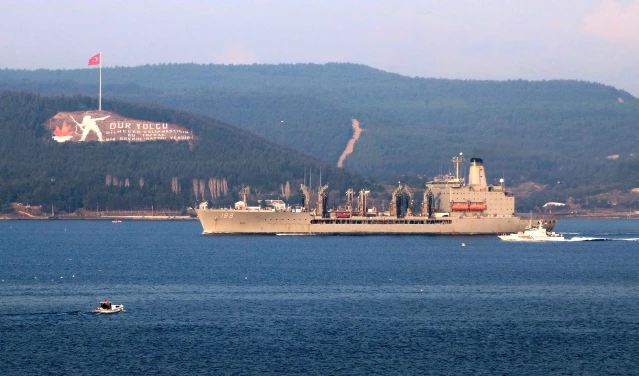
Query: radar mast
{"points": [[457, 161]]}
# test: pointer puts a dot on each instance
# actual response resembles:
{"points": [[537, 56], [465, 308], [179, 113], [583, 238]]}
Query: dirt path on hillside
{"points": [[357, 131]]}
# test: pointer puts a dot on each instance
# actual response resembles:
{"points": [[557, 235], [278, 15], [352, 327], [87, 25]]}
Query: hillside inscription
{"points": [[104, 126]]}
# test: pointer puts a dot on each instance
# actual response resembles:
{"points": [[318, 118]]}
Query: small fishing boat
{"points": [[108, 307], [533, 234], [116, 221]]}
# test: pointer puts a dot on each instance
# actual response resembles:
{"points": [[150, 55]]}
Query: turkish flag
{"points": [[94, 60]]}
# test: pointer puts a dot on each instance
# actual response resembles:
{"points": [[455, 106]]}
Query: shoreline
{"points": [[101, 218]]}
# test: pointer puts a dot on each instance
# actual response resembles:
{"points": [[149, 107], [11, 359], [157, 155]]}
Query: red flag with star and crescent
{"points": [[94, 60]]}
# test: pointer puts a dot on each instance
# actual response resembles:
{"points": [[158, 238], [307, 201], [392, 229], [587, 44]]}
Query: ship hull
{"points": [[218, 221]]}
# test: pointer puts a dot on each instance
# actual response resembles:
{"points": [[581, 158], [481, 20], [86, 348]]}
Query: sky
{"points": [[590, 40]]}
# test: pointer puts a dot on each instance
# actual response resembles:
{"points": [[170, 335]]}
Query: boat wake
{"points": [[70, 313], [588, 239]]}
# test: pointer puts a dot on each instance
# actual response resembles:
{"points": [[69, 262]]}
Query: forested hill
{"points": [[580, 133], [35, 169]]}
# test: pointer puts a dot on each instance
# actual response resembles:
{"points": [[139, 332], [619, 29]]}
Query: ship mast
{"points": [[402, 201], [307, 196], [322, 202], [244, 193], [349, 200], [457, 161], [361, 202]]}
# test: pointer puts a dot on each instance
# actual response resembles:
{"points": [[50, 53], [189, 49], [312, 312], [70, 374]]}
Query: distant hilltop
{"points": [[105, 126]]}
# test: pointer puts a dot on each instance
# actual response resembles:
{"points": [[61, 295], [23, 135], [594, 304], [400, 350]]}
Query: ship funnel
{"points": [[476, 176]]}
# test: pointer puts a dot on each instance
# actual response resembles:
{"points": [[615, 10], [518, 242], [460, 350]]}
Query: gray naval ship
{"points": [[450, 206]]}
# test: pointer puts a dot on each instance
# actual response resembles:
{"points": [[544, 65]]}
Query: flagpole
{"points": [[100, 94]]}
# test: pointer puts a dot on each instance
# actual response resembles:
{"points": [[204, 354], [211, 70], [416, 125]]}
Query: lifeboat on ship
{"points": [[459, 206], [477, 206], [468, 206]]}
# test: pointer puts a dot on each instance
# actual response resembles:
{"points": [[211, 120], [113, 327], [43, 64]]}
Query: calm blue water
{"points": [[313, 304]]}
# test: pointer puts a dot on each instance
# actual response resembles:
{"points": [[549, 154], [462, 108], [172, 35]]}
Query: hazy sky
{"points": [[592, 40]]}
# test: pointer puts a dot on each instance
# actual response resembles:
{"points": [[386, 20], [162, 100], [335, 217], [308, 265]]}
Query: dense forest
{"points": [[581, 134], [36, 170]]}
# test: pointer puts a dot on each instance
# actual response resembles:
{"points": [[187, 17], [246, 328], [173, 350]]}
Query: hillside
{"points": [[526, 131], [36, 170]]}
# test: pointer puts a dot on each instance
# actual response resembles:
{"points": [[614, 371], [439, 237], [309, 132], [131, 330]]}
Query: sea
{"points": [[316, 305]]}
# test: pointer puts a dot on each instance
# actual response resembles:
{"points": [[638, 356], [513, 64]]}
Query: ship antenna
{"points": [[320, 176], [456, 162]]}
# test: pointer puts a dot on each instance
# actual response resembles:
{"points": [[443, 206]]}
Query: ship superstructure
{"points": [[450, 206], [450, 194]]}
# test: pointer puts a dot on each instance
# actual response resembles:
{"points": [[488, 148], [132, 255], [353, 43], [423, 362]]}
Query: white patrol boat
{"points": [[108, 307], [533, 234]]}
